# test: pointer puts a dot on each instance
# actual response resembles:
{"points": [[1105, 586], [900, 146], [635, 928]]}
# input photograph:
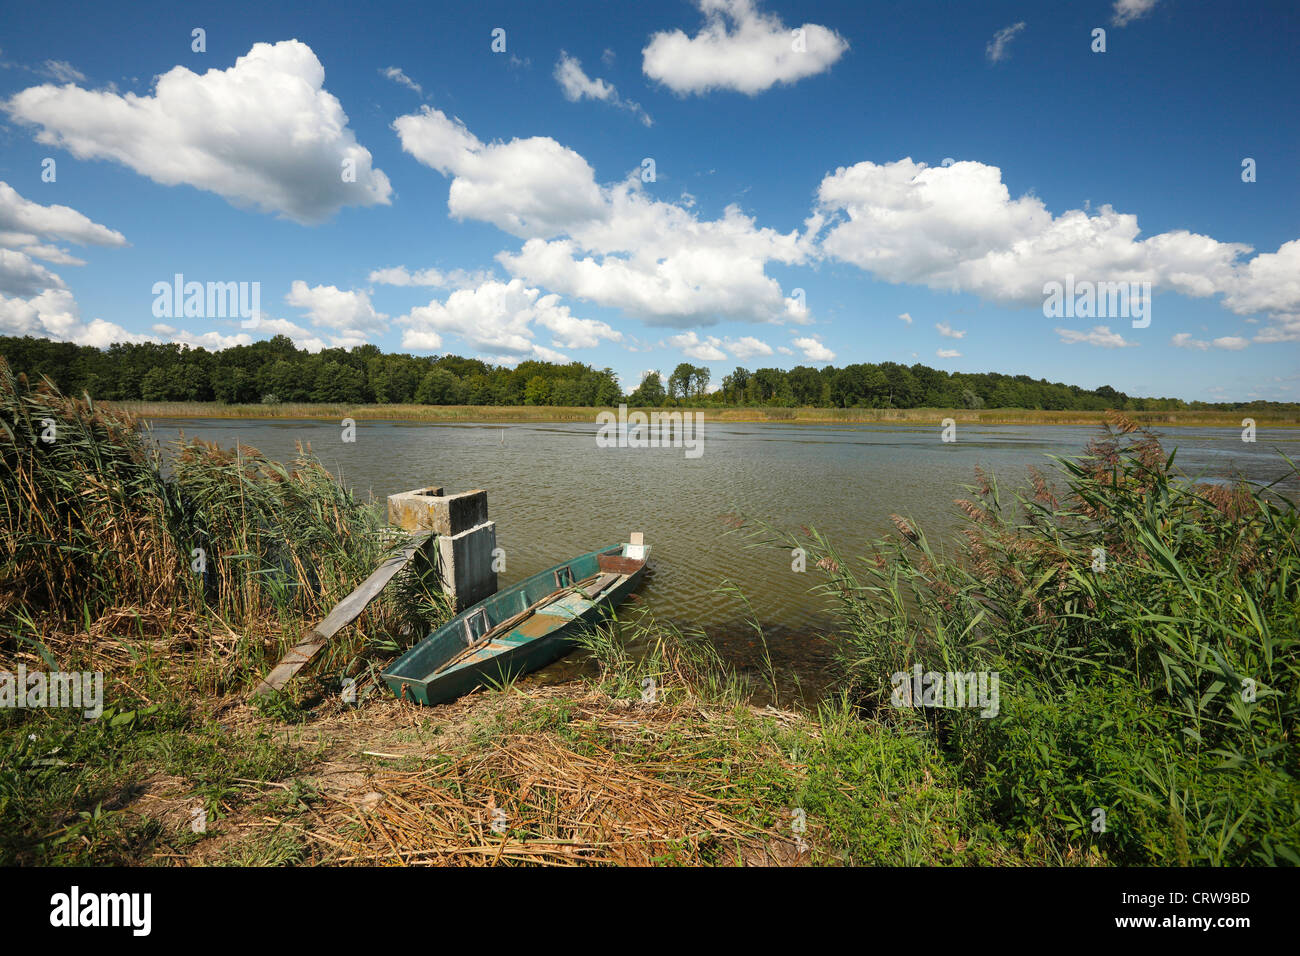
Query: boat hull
{"points": [[417, 675]]}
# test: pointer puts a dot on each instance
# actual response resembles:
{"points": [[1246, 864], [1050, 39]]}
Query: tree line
{"points": [[275, 370]]}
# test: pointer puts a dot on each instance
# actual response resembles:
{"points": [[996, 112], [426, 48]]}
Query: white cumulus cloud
{"points": [[263, 133], [1231, 343], [346, 311], [23, 224], [500, 319], [33, 299], [20, 276], [1099, 335], [63, 223], [708, 349], [747, 347], [433, 278], [212, 341], [739, 48], [1184, 340], [957, 229], [54, 314], [1270, 282], [814, 350], [614, 245], [312, 341]]}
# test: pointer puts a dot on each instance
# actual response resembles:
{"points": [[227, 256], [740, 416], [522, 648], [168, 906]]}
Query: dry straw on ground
{"points": [[549, 798]]}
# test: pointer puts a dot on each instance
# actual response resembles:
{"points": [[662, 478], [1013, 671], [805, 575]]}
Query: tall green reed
{"points": [[93, 516], [1125, 594]]}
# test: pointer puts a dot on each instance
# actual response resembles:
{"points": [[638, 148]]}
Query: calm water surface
{"points": [[553, 493]]}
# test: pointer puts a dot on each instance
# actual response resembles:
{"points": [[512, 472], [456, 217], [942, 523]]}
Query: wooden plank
{"points": [[618, 564], [600, 586], [344, 613]]}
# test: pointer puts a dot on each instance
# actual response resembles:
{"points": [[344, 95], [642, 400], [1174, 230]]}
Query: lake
{"points": [[553, 493]]}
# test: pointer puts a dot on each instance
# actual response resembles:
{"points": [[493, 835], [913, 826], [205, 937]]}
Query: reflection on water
{"points": [[553, 493]]}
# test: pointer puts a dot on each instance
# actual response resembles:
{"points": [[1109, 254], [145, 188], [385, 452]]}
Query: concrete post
{"points": [[465, 538]]}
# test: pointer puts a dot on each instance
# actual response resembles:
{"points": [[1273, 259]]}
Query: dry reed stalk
{"points": [[554, 802]]}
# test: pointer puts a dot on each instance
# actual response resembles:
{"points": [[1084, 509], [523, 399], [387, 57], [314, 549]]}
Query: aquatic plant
{"points": [[93, 517], [1146, 630]]}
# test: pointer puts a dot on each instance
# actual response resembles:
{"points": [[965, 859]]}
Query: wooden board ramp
{"points": [[344, 613]]}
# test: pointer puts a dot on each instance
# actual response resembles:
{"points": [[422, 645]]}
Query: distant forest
{"points": [[274, 371]]}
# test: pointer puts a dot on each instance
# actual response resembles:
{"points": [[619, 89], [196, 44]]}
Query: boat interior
{"points": [[532, 609]]}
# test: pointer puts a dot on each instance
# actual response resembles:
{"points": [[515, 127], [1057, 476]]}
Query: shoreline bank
{"points": [[517, 414]]}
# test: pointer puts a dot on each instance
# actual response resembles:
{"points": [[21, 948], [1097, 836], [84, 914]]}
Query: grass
{"points": [[75, 792], [1146, 630], [573, 774], [1161, 687], [820, 416], [594, 779], [254, 550]]}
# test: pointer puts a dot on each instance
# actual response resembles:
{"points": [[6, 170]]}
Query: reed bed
{"points": [[285, 541], [86, 518], [96, 521], [1146, 629], [995, 416], [669, 660], [308, 411], [737, 414]]}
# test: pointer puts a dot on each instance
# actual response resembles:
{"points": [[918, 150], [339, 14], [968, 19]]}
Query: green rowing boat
{"points": [[520, 629]]}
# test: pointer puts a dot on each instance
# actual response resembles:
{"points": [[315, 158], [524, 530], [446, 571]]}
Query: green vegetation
{"points": [[93, 519], [273, 372], [1147, 633], [807, 416], [1145, 629], [182, 579], [66, 783]]}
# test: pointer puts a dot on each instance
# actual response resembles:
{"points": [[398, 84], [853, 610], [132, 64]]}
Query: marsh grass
{"points": [[806, 415], [97, 520], [181, 574], [1162, 688], [86, 516], [670, 663]]}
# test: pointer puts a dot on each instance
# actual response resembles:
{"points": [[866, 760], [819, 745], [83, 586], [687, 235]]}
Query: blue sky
{"points": [[506, 189]]}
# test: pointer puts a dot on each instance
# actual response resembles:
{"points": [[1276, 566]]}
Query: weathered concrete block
{"points": [[466, 510], [465, 563], [464, 542], [428, 509], [409, 509]]}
